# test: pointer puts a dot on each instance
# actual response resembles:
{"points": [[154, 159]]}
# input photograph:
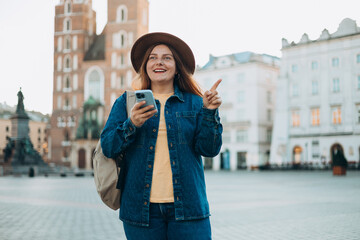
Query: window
{"points": [[68, 7], [358, 58], [314, 87], [121, 60], [67, 62], [59, 44], [67, 43], [335, 62], [122, 81], [240, 96], [144, 17], [7, 129], [113, 80], [336, 85], [59, 65], [58, 83], [74, 42], [75, 62], [268, 135], [268, 96], [294, 68], [269, 115], [336, 115], [59, 102], [74, 101], [315, 149], [129, 77], [314, 65], [295, 90], [315, 117], [130, 38], [241, 136], [358, 82], [67, 24], [113, 59], [94, 85], [121, 14], [67, 82], [75, 81], [358, 114], [122, 40], [295, 118]]}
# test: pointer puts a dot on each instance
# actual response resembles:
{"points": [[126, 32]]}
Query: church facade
{"points": [[90, 72]]}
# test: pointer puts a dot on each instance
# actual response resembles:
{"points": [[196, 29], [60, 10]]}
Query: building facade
{"points": [[318, 105], [248, 93], [89, 66]]}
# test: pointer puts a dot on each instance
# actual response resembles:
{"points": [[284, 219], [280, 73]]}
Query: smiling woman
{"points": [[164, 183]]}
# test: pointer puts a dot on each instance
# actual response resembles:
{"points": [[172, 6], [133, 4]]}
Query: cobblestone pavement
{"points": [[244, 205]]}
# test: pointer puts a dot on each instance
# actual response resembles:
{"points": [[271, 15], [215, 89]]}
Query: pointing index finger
{"points": [[213, 88]]}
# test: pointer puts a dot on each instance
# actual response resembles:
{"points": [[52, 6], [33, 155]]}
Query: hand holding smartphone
{"points": [[147, 96]]}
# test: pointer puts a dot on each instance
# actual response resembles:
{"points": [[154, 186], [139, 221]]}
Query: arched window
{"points": [[67, 135], [67, 25], [74, 43], [67, 7], [59, 65], [121, 60], [67, 62], [75, 62], [75, 81], [122, 40], [67, 42], [67, 82], [59, 44], [94, 85], [121, 14]]}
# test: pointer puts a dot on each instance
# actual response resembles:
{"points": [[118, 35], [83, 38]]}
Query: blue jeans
{"points": [[164, 227]]}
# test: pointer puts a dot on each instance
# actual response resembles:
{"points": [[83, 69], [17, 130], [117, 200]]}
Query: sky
{"points": [[208, 26]]}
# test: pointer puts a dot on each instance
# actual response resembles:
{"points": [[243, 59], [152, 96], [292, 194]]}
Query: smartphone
{"points": [[147, 96]]}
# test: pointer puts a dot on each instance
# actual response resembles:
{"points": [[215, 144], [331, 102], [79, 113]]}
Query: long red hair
{"points": [[183, 79]]}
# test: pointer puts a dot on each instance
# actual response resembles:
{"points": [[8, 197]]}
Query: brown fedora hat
{"points": [[144, 42]]}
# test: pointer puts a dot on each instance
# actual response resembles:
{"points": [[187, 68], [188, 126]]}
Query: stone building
{"points": [[87, 66], [318, 104], [248, 93]]}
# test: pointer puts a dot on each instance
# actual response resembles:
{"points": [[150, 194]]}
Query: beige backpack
{"points": [[107, 170]]}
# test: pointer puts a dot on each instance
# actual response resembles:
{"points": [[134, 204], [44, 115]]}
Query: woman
{"points": [[163, 194]]}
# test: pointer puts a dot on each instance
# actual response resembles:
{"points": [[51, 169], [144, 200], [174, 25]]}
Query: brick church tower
{"points": [[90, 69]]}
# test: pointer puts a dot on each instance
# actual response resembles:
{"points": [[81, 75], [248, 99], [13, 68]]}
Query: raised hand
{"points": [[138, 115], [211, 98]]}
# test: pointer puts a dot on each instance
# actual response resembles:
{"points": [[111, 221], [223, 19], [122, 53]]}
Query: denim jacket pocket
{"points": [[186, 124]]}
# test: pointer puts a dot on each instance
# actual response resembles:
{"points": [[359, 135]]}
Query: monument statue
{"points": [[19, 150]]}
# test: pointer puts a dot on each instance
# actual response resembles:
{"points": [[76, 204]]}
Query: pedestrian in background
{"points": [[164, 194]]}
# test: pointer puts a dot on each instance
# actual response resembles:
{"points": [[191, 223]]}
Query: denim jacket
{"points": [[192, 131]]}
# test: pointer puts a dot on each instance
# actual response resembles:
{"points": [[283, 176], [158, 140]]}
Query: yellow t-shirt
{"points": [[162, 185]]}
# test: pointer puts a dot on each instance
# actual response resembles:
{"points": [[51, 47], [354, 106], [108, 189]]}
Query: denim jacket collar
{"points": [[178, 93]]}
